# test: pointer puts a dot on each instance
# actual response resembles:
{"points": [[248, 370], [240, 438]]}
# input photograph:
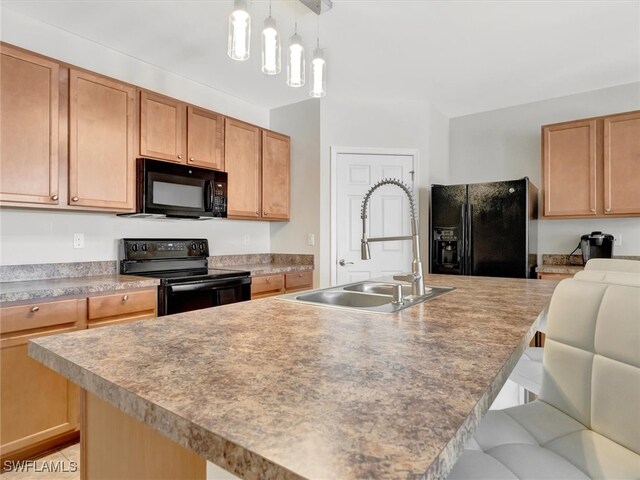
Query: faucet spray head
{"points": [[365, 252]]}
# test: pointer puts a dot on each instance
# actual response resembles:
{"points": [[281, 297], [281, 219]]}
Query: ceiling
{"points": [[463, 56]]}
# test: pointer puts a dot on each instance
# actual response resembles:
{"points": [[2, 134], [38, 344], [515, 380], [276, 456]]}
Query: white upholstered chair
{"points": [[528, 371], [586, 421]]}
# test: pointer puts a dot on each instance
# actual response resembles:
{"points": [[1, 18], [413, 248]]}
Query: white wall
{"points": [[301, 121], [29, 236], [505, 144]]}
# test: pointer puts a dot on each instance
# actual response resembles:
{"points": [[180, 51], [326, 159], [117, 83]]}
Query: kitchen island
{"points": [[273, 389]]}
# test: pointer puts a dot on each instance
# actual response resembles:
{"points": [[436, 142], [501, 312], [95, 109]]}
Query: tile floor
{"points": [[63, 462]]}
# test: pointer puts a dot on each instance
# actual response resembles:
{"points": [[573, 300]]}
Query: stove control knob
{"points": [[202, 246], [134, 247], [144, 247], [193, 246]]}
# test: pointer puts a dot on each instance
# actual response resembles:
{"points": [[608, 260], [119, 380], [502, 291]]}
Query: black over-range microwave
{"points": [[179, 191]]}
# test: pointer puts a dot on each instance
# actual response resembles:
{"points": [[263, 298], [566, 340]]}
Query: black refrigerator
{"points": [[484, 229]]}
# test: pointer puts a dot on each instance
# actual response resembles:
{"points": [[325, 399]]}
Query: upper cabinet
{"points": [[162, 127], [29, 128], [205, 138], [174, 131], [622, 164], [257, 162], [591, 167], [242, 161], [101, 137], [276, 176]]}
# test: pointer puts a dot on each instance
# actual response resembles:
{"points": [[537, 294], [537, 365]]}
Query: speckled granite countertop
{"points": [[25, 290], [572, 269], [273, 268], [265, 263], [273, 389]]}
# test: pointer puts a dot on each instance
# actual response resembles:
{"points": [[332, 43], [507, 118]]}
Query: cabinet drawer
{"points": [[267, 285], [121, 304], [38, 315], [554, 276], [298, 280]]}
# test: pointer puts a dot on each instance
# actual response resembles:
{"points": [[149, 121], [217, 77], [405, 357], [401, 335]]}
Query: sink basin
{"points": [[376, 287], [344, 299], [368, 296]]}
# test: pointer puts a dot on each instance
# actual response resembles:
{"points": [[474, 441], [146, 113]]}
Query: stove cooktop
{"points": [[195, 275]]}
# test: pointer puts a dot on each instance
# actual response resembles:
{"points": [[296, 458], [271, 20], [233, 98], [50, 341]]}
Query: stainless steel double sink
{"points": [[369, 296]]}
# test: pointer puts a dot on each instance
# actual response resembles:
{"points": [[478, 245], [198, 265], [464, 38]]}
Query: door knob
{"points": [[342, 262]]}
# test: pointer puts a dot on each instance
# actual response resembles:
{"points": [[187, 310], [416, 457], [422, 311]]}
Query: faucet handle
{"points": [[406, 277]]}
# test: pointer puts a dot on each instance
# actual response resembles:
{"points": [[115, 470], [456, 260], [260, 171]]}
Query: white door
{"points": [[388, 215]]}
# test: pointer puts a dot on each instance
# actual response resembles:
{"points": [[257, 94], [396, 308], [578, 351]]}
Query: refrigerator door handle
{"points": [[469, 240], [462, 251]]}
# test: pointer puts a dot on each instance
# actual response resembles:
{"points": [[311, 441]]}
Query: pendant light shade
{"points": [[239, 31], [295, 62], [319, 74], [270, 48]]}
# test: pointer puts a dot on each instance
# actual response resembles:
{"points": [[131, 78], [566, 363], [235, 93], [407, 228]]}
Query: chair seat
{"points": [[539, 441]]}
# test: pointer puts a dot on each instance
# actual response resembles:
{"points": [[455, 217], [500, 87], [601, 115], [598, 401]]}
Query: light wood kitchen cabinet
{"points": [[39, 408], [622, 164], [205, 138], [121, 307], [29, 113], [276, 176], [162, 127], [101, 138], [270, 285], [258, 165], [174, 131], [591, 167], [243, 166], [554, 276]]}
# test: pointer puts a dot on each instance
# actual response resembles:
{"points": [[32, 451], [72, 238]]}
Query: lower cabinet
{"points": [[270, 285], [39, 409]]}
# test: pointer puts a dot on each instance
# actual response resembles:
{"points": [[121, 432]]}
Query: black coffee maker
{"points": [[596, 245]]}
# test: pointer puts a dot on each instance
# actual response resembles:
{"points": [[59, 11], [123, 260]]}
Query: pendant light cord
{"points": [[318, 32], [269, 8], [295, 9]]}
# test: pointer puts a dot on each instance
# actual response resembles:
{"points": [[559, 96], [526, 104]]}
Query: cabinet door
{"points": [[28, 128], [622, 164], [569, 169], [39, 408], [205, 138], [101, 134], [162, 128], [242, 162], [276, 176]]}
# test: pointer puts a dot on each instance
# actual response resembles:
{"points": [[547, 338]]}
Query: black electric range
{"points": [[186, 282]]}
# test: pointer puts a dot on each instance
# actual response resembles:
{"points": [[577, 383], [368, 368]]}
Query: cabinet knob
{"points": [[593, 210], [191, 159], [35, 309], [266, 213], [125, 298], [179, 157], [54, 197], [74, 199], [257, 213], [300, 275], [268, 280], [607, 209]]}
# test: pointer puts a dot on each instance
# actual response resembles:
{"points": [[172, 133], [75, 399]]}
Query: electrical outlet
{"points": [[617, 240], [311, 239], [78, 240], [247, 239]]}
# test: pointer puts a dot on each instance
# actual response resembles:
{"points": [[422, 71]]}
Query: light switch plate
{"points": [[617, 240], [311, 239]]}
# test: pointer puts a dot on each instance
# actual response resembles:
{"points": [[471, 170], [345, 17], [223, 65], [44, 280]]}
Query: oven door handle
{"points": [[209, 285]]}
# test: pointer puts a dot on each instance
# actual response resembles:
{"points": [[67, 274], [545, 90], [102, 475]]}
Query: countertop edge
{"points": [[219, 451], [446, 459]]}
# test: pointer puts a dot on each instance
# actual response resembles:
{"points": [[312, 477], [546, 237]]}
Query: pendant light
{"points": [[239, 31], [318, 69], [270, 47], [295, 59]]}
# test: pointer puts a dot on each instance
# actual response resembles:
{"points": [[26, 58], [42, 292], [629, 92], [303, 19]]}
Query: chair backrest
{"points": [[602, 276], [613, 265], [592, 357]]}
